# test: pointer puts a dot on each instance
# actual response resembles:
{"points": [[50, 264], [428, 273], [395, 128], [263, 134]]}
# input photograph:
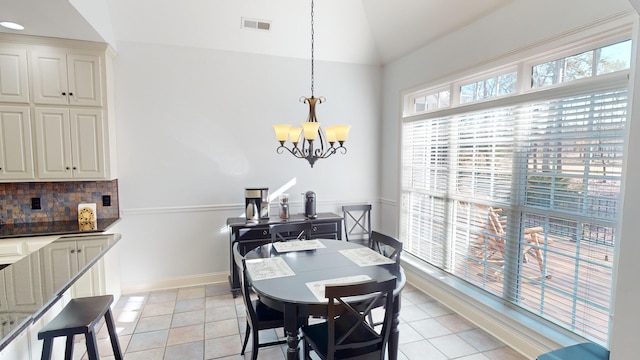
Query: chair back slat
{"points": [[293, 231], [349, 306], [386, 245], [357, 222]]}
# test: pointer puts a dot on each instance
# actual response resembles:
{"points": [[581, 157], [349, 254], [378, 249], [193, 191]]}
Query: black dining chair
{"points": [[259, 316], [391, 248], [357, 223], [386, 245], [292, 231], [346, 334]]}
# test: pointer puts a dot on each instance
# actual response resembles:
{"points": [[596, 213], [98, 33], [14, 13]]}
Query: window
{"points": [[488, 88], [430, 100], [521, 198], [586, 64]]}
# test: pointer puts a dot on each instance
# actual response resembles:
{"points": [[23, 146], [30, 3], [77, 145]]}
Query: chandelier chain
{"points": [[312, 45]]}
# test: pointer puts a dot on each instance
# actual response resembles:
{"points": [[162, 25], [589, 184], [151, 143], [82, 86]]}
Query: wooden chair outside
{"points": [[293, 231], [357, 223], [346, 334], [495, 247]]}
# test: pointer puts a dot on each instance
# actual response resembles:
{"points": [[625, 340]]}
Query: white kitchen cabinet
{"points": [[65, 129], [70, 144], [23, 285], [14, 78], [18, 348], [16, 155], [64, 257], [64, 78]]}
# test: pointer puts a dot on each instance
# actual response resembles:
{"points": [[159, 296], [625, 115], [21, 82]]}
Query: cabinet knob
{"points": [[315, 228], [264, 232], [79, 250], [64, 93], [70, 94], [73, 251], [67, 168], [75, 168]]}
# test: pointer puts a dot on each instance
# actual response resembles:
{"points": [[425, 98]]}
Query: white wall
{"points": [[194, 129], [514, 27]]}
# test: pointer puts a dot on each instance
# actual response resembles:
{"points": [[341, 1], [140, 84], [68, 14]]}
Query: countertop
{"points": [[243, 222], [15, 318], [52, 228]]}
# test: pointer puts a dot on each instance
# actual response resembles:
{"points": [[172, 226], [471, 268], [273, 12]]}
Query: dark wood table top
{"points": [[315, 265]]}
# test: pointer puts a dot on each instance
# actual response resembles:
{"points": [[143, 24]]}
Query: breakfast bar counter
{"points": [[71, 265]]}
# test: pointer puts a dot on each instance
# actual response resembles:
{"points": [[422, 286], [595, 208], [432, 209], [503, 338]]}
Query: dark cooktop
{"points": [[51, 228]]}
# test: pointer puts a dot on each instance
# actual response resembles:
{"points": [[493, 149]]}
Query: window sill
{"points": [[526, 333]]}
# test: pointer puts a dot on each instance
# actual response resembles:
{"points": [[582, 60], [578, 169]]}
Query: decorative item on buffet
{"points": [[284, 206]]}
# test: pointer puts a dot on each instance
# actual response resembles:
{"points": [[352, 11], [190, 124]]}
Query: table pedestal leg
{"points": [[394, 336], [291, 328]]}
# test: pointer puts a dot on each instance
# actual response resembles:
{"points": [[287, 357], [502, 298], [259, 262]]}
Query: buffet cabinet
{"points": [[252, 234]]}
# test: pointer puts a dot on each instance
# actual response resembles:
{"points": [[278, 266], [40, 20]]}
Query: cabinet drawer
{"points": [[254, 233], [328, 228]]}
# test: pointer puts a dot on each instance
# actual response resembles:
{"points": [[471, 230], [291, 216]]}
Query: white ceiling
{"points": [[352, 31]]}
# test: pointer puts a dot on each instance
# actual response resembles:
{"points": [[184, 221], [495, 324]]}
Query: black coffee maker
{"points": [[310, 205]]}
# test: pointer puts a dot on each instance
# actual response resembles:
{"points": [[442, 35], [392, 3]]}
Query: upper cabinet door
{"points": [[66, 79], [13, 75], [84, 79], [87, 143], [16, 156], [53, 143]]}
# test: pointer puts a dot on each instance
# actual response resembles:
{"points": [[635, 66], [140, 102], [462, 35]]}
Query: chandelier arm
{"points": [[295, 152]]}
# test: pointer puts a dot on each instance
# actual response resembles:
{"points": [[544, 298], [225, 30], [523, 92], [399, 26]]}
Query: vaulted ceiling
{"points": [[351, 31]]}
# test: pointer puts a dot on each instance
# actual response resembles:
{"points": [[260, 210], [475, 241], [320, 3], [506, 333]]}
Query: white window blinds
{"points": [[521, 199]]}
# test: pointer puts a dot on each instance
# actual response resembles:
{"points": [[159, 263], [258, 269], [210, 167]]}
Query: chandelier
{"points": [[311, 142]]}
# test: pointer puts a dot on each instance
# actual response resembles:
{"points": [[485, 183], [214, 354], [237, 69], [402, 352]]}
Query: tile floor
{"points": [[206, 322]]}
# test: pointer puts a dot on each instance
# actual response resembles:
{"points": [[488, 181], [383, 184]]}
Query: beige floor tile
{"points": [[221, 328], [148, 340], [187, 351], [185, 334], [153, 323], [421, 350], [453, 346], [156, 309], [207, 322], [223, 346]]}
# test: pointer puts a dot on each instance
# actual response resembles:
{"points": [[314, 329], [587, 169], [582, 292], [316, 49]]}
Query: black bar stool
{"points": [[80, 316]]}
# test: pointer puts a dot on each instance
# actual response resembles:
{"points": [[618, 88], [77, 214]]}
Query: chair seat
{"points": [[78, 317], [318, 333], [267, 317]]}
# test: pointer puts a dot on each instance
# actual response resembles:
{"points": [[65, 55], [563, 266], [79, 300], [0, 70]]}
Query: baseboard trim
{"points": [[173, 283]]}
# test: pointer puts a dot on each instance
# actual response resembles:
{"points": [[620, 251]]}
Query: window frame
{"points": [[524, 91]]}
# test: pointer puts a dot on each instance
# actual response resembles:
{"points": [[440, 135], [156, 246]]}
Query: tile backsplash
{"points": [[58, 200]]}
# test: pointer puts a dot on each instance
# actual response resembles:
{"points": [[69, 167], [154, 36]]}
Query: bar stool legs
{"points": [[80, 316]]}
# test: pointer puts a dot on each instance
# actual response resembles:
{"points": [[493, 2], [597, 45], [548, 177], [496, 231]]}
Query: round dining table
{"points": [[292, 295]]}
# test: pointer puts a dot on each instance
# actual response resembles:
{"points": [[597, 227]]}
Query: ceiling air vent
{"points": [[256, 24]]}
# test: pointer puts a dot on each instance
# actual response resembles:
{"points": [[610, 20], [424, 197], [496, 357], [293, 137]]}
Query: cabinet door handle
{"points": [[315, 228], [264, 232], [73, 251], [70, 94], [67, 168], [75, 168], [64, 93]]}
